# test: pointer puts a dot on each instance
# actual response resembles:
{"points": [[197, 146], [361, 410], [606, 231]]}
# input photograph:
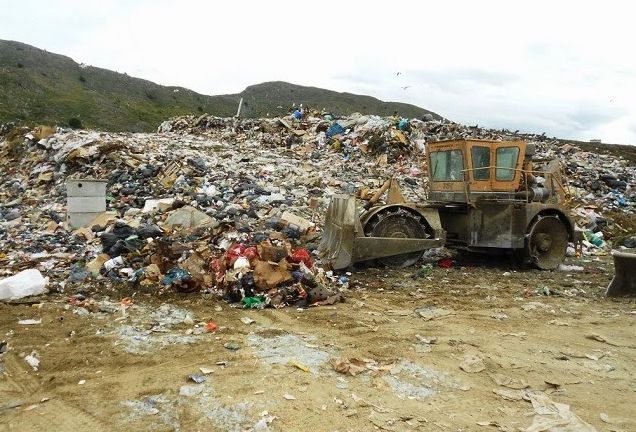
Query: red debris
{"points": [[445, 263], [301, 255]]}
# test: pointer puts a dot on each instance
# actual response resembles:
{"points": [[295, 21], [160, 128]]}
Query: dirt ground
{"points": [[471, 348]]}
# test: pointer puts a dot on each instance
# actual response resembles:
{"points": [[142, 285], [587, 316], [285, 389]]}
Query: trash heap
{"points": [[234, 207]]}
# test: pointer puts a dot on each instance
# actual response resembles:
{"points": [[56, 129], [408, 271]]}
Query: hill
{"points": [[41, 87], [275, 98]]}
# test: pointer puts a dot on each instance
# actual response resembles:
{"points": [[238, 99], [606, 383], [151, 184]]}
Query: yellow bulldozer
{"points": [[482, 195]]}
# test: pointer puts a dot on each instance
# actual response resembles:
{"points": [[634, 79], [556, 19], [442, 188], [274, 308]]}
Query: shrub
{"points": [[75, 123]]}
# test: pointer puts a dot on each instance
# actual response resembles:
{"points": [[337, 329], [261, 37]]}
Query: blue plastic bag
{"points": [[334, 129]]}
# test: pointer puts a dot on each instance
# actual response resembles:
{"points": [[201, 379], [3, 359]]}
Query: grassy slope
{"points": [[37, 86], [266, 98], [40, 87]]}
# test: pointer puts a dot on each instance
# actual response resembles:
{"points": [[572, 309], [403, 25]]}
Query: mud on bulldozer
{"points": [[481, 196]]}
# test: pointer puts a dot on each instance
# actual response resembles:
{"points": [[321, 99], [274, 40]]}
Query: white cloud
{"points": [[561, 67]]}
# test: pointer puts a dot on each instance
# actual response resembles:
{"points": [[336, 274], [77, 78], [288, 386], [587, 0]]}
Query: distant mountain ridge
{"points": [[41, 87]]}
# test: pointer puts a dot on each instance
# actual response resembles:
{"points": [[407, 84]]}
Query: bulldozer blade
{"points": [[624, 281], [367, 248], [342, 225], [343, 242]]}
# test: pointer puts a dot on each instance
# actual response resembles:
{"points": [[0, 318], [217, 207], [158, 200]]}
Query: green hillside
{"points": [[40, 87], [275, 98]]}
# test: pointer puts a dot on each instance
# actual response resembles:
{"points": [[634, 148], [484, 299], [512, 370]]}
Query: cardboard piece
{"points": [[268, 275]]}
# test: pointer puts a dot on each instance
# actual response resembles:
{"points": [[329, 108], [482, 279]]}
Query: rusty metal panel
{"points": [[455, 223], [451, 197], [490, 226], [519, 226], [532, 209]]}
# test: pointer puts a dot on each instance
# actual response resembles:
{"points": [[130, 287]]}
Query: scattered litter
{"points": [[558, 323], [547, 291], [299, 365], [206, 370], [426, 339], [351, 366], [432, 312], [232, 346], [26, 283], [499, 316], [33, 360], [30, 321], [553, 416], [599, 338], [199, 379], [509, 394], [247, 320], [506, 381], [570, 268]]}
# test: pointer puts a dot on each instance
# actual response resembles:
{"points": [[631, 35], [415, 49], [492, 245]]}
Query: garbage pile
{"points": [[234, 207]]}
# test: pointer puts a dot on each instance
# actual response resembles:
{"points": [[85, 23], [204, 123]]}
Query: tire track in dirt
{"points": [[56, 415], [20, 383]]}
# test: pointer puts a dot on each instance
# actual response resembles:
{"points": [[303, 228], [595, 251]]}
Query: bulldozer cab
{"points": [[459, 169]]}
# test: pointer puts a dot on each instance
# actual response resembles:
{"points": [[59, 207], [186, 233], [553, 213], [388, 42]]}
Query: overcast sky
{"points": [[567, 68]]}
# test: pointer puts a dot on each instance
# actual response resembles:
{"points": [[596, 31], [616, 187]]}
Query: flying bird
{"points": [[405, 87], [398, 73]]}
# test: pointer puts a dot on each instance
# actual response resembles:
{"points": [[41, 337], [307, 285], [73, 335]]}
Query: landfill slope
{"points": [[242, 182]]}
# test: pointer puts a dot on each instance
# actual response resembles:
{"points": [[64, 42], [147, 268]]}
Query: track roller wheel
{"points": [[397, 223], [547, 242]]}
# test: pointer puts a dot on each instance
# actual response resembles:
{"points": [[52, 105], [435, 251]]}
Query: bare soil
{"points": [[103, 371]]}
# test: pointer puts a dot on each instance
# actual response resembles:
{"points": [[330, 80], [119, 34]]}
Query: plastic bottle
{"points": [[113, 263]]}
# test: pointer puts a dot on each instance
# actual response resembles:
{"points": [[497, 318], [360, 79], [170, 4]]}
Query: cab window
{"points": [[506, 163], [481, 162], [447, 165]]}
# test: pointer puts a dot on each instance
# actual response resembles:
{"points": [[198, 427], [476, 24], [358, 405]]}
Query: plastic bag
{"points": [[301, 255], [26, 283]]}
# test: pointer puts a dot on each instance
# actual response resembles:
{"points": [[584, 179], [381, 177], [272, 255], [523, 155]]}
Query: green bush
{"points": [[75, 123]]}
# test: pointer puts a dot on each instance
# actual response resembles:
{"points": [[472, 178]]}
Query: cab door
{"points": [[480, 156], [508, 161]]}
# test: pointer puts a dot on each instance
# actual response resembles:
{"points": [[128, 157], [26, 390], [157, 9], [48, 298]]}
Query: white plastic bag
{"points": [[26, 283]]}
